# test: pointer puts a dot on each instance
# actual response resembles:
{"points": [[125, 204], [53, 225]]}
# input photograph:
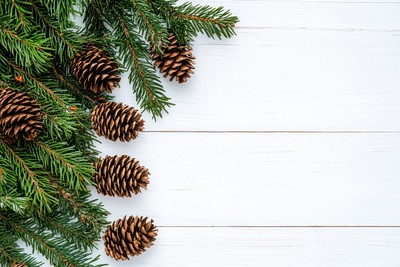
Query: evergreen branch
{"points": [[149, 23], [149, 91], [214, 22], [19, 9], [61, 9], [89, 212], [33, 181], [10, 252], [60, 122], [176, 23], [94, 19], [28, 47], [75, 231], [59, 252], [39, 84], [64, 162], [65, 42], [16, 204]]}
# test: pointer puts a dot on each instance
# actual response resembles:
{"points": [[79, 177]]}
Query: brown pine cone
{"points": [[19, 264], [129, 237], [20, 115], [116, 121], [176, 60], [95, 70], [120, 176]]}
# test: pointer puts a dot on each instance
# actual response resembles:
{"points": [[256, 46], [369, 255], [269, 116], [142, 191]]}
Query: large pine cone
{"points": [[20, 115], [176, 60], [18, 264], [116, 121], [120, 176], [95, 70], [129, 237]]}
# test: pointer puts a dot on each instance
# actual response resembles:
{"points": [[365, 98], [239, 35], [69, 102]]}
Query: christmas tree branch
{"points": [[90, 102], [149, 23], [59, 252], [16, 204], [89, 211], [10, 253], [29, 48], [65, 41], [214, 22], [64, 162], [32, 178], [76, 232], [149, 91]]}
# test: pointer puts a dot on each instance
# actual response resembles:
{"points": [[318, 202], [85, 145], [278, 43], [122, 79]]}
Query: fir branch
{"points": [[30, 48], [75, 231], [65, 162], [214, 22], [59, 252], [65, 42], [176, 23], [10, 252], [32, 179], [148, 23], [90, 212], [148, 88], [94, 19], [17, 9], [16, 204]]}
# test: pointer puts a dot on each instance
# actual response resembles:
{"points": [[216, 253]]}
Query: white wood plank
{"points": [[265, 179], [314, 14], [293, 66], [234, 247], [288, 81]]}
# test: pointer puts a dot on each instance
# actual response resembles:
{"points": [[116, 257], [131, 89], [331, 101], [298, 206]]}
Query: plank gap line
{"points": [[270, 132], [277, 226]]}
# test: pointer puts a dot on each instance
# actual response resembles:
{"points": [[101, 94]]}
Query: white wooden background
{"points": [[284, 147]]}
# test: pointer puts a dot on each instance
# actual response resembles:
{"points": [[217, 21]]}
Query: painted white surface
{"points": [[274, 130]]}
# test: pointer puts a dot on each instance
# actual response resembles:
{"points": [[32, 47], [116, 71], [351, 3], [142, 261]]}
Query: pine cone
{"points": [[116, 121], [129, 237], [120, 176], [19, 264], [20, 115], [95, 70], [176, 60]]}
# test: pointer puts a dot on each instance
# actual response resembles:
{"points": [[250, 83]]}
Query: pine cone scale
{"points": [[20, 115], [120, 176], [95, 70], [176, 61]]}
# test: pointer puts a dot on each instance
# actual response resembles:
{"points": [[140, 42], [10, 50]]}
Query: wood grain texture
{"points": [[294, 122], [203, 179], [293, 66], [244, 247]]}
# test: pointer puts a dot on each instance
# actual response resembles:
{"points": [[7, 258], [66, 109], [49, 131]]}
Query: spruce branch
{"points": [[65, 41], [148, 23], [214, 22], [33, 180], [148, 88], [17, 204], [65, 162], [19, 9], [59, 252], [10, 252], [73, 230], [90, 212], [29, 48], [94, 19]]}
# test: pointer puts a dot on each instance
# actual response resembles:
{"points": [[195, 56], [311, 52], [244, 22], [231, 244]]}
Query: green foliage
{"points": [[133, 24], [44, 199]]}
